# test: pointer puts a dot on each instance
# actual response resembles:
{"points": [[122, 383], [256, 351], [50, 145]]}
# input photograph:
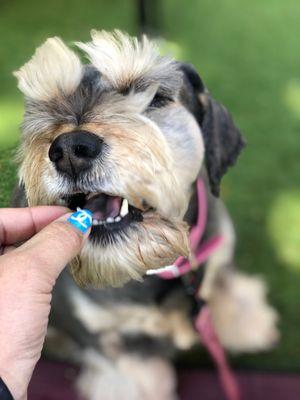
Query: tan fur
{"points": [[35, 164], [129, 377], [123, 59], [137, 145], [55, 61], [241, 315], [150, 244], [113, 321]]}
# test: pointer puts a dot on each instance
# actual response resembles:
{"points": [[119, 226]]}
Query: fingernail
{"points": [[81, 219]]}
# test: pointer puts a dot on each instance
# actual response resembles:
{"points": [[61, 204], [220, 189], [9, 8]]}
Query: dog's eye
{"points": [[160, 100]]}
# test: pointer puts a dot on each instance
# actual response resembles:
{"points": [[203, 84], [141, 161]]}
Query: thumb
{"points": [[58, 243]]}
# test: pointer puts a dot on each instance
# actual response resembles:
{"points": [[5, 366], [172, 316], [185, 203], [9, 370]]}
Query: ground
{"points": [[248, 55]]}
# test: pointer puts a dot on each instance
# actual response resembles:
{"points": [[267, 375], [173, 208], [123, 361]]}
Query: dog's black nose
{"points": [[74, 152]]}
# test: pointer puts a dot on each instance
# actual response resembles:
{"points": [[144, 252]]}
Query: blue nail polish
{"points": [[81, 219]]}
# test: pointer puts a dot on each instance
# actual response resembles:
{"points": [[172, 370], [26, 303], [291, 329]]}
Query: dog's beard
{"points": [[147, 244], [125, 241]]}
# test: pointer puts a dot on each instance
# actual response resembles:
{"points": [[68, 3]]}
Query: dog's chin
{"points": [[125, 241]]}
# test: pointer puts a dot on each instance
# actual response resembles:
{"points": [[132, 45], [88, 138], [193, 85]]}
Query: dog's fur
{"points": [[161, 129]]}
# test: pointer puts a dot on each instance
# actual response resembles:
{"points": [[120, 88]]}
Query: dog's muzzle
{"points": [[73, 154]]}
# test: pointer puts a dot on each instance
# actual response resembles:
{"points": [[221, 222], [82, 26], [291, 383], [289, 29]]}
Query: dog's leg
{"points": [[241, 315], [130, 377]]}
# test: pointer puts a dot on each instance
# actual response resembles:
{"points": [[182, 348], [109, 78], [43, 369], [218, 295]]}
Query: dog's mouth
{"points": [[111, 214]]}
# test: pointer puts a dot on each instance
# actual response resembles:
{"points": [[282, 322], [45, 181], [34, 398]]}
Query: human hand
{"points": [[27, 276]]}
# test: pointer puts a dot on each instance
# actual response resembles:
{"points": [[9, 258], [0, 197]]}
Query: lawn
{"points": [[248, 55]]}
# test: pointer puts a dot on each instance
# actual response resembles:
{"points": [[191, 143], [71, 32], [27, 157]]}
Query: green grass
{"points": [[248, 54]]}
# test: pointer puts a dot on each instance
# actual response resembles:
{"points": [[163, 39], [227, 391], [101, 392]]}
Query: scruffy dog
{"points": [[127, 136]]}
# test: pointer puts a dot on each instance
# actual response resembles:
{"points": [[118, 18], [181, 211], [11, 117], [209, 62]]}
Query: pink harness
{"points": [[203, 323]]}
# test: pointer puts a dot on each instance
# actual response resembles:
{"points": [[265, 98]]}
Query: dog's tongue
{"points": [[103, 206]]}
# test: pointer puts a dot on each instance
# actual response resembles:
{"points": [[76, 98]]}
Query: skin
{"points": [[27, 277]]}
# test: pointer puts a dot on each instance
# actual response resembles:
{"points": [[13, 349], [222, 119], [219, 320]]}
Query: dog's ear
{"points": [[223, 140]]}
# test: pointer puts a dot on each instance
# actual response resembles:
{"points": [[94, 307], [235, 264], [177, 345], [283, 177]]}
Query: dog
{"points": [[127, 135]]}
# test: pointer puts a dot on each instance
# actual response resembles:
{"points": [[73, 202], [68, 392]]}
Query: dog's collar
{"points": [[200, 250]]}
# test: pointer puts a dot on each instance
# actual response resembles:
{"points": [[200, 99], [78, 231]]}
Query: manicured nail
{"points": [[81, 219]]}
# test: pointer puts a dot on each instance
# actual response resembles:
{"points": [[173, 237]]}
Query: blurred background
{"points": [[248, 54]]}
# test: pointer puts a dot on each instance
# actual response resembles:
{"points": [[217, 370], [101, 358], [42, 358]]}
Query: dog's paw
{"points": [[243, 319]]}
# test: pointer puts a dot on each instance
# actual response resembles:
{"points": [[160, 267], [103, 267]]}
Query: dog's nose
{"points": [[74, 152]]}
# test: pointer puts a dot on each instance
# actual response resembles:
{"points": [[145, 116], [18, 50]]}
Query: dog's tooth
{"points": [[118, 219], [124, 208], [100, 222], [95, 222], [109, 220]]}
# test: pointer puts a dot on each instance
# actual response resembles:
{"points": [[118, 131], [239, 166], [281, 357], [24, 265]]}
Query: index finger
{"points": [[17, 224]]}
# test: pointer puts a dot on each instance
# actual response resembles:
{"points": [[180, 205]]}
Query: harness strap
{"points": [[200, 252], [205, 328]]}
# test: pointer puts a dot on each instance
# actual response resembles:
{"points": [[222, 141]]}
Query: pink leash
{"points": [[200, 252], [203, 323]]}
